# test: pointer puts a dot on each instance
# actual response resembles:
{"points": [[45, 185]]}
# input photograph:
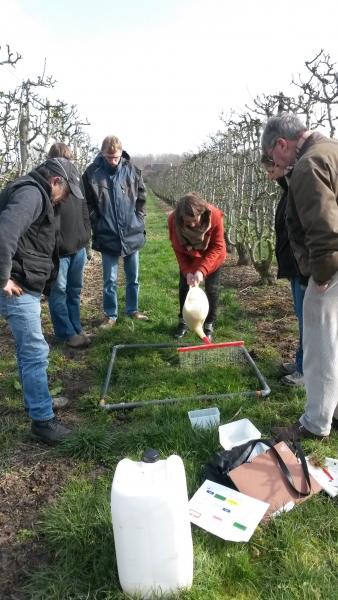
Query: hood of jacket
{"points": [[116, 200], [100, 161]]}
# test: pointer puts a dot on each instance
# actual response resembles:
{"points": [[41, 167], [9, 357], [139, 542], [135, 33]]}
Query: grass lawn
{"points": [[293, 558]]}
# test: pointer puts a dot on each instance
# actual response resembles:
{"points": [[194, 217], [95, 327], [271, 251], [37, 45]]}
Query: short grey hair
{"points": [[286, 125]]}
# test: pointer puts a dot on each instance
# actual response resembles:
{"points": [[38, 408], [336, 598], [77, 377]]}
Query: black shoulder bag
{"points": [[217, 470]]}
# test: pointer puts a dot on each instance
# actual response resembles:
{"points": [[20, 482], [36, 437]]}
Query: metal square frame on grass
{"points": [[262, 393]]}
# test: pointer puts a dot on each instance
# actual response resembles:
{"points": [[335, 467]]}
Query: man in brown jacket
{"points": [[310, 161]]}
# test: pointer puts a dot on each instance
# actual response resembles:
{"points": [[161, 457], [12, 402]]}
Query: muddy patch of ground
{"points": [[30, 478], [29, 486], [270, 308]]}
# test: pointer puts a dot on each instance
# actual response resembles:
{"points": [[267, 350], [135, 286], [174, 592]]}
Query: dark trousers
{"points": [[211, 289]]}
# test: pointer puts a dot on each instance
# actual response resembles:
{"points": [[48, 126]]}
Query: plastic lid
{"points": [[150, 456]]}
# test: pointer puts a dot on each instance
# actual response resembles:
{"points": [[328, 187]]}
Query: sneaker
{"points": [[137, 315], [209, 334], [295, 432], [60, 402], [78, 341], [209, 331], [289, 368], [108, 322], [294, 380], [51, 432], [181, 330]]}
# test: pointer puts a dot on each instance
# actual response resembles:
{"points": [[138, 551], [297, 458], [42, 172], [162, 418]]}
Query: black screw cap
{"points": [[150, 456]]}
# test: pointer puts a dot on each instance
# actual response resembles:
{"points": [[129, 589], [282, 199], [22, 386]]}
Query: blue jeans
{"points": [[22, 314], [64, 301], [298, 298], [110, 268]]}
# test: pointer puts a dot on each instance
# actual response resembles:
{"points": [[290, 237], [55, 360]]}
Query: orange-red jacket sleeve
{"points": [[205, 261]]}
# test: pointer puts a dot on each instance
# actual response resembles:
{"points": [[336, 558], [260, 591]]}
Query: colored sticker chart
{"points": [[226, 513]]}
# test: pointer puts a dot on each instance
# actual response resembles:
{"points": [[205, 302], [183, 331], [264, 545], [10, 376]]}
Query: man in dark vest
{"points": [[28, 267]]}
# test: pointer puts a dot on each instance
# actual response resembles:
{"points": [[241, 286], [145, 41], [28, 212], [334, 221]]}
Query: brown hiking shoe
{"points": [[108, 322], [137, 315], [78, 341], [295, 432], [60, 402], [86, 335]]}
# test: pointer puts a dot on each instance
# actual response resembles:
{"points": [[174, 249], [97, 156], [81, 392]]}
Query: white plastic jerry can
{"points": [[152, 531], [195, 311]]}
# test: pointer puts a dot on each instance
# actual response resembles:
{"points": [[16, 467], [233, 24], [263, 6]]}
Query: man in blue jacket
{"points": [[116, 198]]}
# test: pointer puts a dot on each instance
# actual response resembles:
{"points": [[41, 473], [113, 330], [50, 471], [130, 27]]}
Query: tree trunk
{"points": [[229, 245], [263, 268], [243, 255]]}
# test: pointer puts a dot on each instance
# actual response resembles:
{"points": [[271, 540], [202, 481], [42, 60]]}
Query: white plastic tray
{"points": [[206, 417], [237, 433]]}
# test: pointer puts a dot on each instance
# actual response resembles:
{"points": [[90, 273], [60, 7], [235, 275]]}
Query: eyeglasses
{"points": [[271, 151]]}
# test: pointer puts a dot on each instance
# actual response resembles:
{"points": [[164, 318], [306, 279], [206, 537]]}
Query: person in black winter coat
{"points": [[64, 301], [287, 269]]}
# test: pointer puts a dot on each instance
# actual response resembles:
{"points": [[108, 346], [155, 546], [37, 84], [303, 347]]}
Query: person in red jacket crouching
{"points": [[197, 236]]}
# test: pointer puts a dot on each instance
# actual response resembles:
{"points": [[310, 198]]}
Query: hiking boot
{"points": [[108, 322], [289, 368], [137, 315], [181, 330], [78, 341], [51, 432], [86, 335], [60, 402], [294, 380], [209, 331], [295, 432]]}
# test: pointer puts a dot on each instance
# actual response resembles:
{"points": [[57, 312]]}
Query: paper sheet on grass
{"points": [[226, 513], [330, 486]]}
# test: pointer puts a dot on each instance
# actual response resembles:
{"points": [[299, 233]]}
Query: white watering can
{"points": [[195, 311]]}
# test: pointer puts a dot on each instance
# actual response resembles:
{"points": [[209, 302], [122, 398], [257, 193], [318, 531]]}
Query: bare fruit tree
{"points": [[10, 60], [227, 169], [228, 174], [29, 123]]}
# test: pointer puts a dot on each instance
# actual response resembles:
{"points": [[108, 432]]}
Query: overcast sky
{"points": [[158, 73]]}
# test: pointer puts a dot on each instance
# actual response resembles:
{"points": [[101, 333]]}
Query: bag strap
{"points": [[284, 468]]}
